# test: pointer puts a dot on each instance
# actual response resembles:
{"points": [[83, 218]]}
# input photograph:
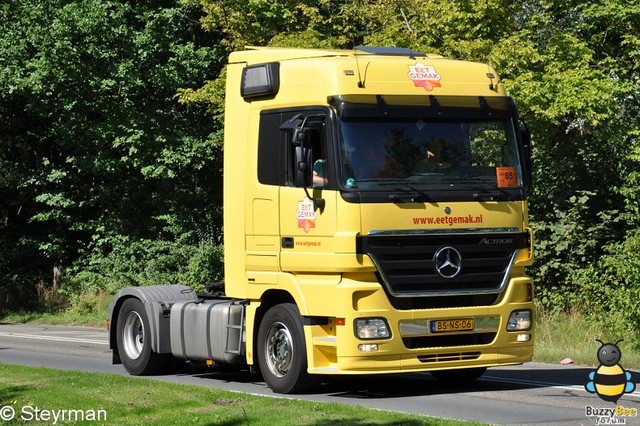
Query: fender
{"points": [[153, 298]]}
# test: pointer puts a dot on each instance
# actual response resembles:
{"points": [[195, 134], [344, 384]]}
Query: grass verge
{"points": [[69, 318], [572, 335], [89, 310], [118, 400]]}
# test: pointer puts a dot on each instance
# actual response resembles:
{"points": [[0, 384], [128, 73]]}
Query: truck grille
{"points": [[478, 263]]}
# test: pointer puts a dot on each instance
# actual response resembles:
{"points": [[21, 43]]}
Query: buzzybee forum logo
{"points": [[610, 381]]}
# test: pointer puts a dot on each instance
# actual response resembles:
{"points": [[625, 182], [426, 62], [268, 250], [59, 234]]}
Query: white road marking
{"points": [[54, 338], [547, 384]]}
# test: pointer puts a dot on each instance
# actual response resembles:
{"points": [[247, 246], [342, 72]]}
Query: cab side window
{"points": [[271, 143], [276, 153]]}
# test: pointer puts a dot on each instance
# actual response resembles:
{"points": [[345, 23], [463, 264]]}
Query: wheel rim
{"points": [[279, 349], [133, 335]]}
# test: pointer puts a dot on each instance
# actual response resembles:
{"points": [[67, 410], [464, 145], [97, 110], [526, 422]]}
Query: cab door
{"points": [[307, 202]]}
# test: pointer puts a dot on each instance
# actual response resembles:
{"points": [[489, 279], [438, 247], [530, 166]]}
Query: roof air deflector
{"points": [[390, 51]]}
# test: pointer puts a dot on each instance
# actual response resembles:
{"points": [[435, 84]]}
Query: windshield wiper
{"points": [[493, 194], [411, 195], [407, 198], [381, 181]]}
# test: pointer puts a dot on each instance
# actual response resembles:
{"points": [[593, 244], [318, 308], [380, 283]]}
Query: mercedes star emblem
{"points": [[447, 262]]}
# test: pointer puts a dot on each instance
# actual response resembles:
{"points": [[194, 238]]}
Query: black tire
{"points": [[463, 375], [281, 353], [134, 344]]}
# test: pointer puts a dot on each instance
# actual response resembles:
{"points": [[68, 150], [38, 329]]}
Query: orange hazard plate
{"points": [[451, 325]]}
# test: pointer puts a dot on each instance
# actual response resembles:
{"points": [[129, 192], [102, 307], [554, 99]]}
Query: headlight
{"points": [[519, 321], [371, 328]]}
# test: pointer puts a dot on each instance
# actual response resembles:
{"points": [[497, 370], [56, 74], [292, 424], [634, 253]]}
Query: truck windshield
{"points": [[471, 146]]}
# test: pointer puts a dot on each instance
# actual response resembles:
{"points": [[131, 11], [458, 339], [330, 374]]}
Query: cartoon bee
{"points": [[609, 380]]}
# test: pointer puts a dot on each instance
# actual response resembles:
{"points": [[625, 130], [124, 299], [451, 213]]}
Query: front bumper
{"points": [[334, 348]]}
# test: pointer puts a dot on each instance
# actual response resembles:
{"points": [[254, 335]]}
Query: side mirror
{"points": [[303, 158], [525, 137], [299, 153], [525, 134]]}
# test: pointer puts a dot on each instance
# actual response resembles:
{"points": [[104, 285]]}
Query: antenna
{"points": [[360, 82], [490, 76]]}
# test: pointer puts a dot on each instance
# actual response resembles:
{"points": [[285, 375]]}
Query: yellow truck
{"points": [[375, 221]]}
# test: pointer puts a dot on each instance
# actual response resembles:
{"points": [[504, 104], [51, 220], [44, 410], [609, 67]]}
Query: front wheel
{"points": [[282, 354], [133, 340]]}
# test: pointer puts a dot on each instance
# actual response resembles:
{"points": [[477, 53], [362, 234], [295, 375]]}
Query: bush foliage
{"points": [[147, 262]]}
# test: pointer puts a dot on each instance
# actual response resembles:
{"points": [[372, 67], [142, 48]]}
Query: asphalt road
{"points": [[529, 394]]}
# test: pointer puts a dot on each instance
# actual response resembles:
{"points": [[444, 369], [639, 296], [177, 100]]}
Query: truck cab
{"points": [[375, 221]]}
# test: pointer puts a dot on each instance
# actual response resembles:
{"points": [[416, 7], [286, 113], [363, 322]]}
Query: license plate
{"points": [[451, 325]]}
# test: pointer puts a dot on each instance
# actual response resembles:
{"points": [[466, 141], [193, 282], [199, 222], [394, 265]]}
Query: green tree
{"points": [[96, 149], [572, 67], [99, 160]]}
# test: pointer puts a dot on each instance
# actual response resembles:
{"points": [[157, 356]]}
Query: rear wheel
{"points": [[134, 344], [282, 354], [462, 375]]}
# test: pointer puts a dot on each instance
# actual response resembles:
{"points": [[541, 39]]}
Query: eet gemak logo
{"points": [[424, 76], [306, 215]]}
